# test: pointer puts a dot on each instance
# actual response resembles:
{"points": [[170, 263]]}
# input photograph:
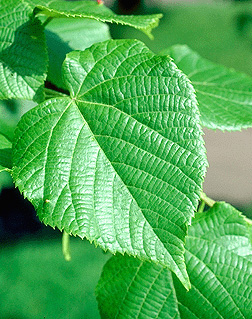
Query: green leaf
{"points": [[10, 113], [5, 153], [93, 10], [224, 95], [218, 258], [130, 288], [8, 123], [65, 35], [79, 33], [23, 57], [122, 161], [249, 226]]}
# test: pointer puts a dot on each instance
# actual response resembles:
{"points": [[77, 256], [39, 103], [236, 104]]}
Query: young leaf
{"points": [[23, 57], [65, 35], [93, 10], [224, 95], [121, 162], [218, 258]]}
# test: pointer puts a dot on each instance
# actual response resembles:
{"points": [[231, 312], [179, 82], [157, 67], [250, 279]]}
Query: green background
{"points": [[36, 281]]}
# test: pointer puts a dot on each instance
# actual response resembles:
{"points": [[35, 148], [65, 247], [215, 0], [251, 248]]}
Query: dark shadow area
{"points": [[244, 26], [17, 215], [128, 7], [11, 105], [57, 51], [18, 219]]}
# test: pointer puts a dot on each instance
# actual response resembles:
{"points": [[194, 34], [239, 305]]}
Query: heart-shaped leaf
{"points": [[23, 56], [224, 95], [219, 263], [122, 160]]}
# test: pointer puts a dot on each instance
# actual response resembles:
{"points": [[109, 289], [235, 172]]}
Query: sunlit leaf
{"points": [[219, 263], [122, 160], [224, 95]]}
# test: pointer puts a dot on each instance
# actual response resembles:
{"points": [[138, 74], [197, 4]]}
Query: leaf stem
{"points": [[201, 207], [66, 246], [45, 23], [210, 202]]}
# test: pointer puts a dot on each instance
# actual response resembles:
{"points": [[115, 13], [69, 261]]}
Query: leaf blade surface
{"points": [[224, 95], [220, 273], [65, 35], [92, 10], [5, 153], [23, 56], [101, 169], [144, 290]]}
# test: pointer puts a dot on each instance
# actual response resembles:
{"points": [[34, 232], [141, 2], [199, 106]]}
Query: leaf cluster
{"points": [[114, 153]]}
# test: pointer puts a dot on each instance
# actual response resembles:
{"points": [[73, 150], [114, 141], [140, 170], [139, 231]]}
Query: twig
{"points": [[66, 246]]}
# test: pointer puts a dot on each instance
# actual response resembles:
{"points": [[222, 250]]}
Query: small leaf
{"points": [[218, 259], [93, 10], [224, 95], [122, 160], [23, 57], [67, 34]]}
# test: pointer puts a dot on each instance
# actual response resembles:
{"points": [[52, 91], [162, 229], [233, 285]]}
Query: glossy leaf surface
{"points": [[218, 259], [224, 95], [93, 10], [122, 160], [23, 56]]}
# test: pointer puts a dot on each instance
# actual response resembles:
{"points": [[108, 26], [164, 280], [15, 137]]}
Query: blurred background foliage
{"points": [[35, 280], [220, 31]]}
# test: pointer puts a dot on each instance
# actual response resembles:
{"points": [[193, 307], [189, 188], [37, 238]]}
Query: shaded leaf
{"points": [[65, 35], [5, 153], [23, 57], [218, 259], [93, 10], [130, 288], [224, 95], [122, 160]]}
